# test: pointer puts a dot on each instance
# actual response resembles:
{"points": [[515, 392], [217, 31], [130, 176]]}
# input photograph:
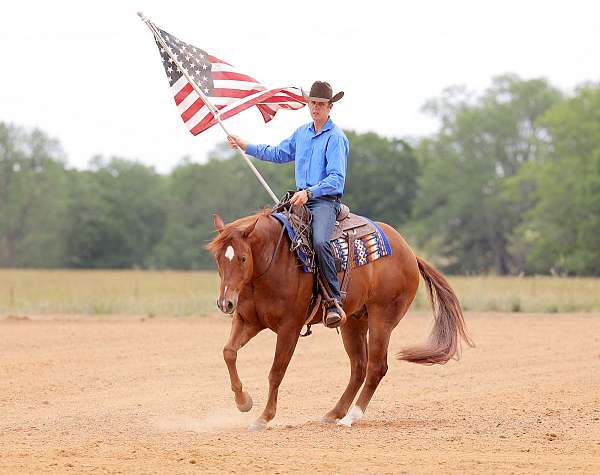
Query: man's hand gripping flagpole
{"points": [[212, 108]]}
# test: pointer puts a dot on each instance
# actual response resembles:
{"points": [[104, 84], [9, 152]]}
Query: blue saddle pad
{"points": [[367, 249]]}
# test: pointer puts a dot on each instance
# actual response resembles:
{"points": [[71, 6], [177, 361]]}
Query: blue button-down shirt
{"points": [[321, 158]]}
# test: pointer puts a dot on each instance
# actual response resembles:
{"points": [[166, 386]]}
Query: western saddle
{"points": [[347, 222], [349, 226]]}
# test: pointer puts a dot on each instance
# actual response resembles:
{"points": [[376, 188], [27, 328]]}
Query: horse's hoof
{"points": [[327, 419], [354, 414], [246, 404], [257, 426], [344, 422]]}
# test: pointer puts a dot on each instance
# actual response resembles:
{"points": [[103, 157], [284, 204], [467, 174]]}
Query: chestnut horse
{"points": [[263, 286]]}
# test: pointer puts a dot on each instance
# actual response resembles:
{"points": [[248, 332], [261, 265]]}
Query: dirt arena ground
{"points": [[135, 395]]}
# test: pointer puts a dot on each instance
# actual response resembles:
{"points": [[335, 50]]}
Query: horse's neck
{"points": [[276, 286], [276, 260]]}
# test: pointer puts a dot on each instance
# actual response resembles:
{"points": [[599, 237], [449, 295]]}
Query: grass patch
{"points": [[175, 293], [92, 292], [515, 305], [528, 294]]}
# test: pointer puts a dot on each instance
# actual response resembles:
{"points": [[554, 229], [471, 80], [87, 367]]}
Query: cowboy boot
{"points": [[335, 316]]}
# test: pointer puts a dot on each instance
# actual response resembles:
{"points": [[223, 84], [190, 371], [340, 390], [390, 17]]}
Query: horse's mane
{"points": [[221, 240]]}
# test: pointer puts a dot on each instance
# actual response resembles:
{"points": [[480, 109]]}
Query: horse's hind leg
{"points": [[241, 333], [382, 320], [354, 336]]}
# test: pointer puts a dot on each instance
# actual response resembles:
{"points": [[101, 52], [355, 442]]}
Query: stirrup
{"points": [[337, 322]]}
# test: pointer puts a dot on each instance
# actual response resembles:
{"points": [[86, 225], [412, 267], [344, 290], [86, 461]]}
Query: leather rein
{"points": [[274, 252], [278, 207]]}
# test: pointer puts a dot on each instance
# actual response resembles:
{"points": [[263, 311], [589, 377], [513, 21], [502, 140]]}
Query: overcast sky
{"points": [[89, 73]]}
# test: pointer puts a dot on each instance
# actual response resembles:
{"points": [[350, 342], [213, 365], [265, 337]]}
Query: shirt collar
{"points": [[328, 125]]}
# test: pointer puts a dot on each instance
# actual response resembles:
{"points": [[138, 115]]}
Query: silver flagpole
{"points": [[212, 108]]}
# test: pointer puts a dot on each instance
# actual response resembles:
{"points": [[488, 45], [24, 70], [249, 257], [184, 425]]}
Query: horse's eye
{"points": [[243, 259]]}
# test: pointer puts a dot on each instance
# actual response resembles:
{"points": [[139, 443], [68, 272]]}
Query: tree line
{"points": [[509, 184]]}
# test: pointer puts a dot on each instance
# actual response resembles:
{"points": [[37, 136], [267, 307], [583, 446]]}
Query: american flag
{"points": [[227, 89]]}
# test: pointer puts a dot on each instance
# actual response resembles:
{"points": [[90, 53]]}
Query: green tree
{"points": [[561, 232], [116, 214], [381, 180], [462, 213], [32, 198]]}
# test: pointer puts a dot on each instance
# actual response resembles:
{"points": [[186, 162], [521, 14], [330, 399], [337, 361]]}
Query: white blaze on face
{"points": [[229, 253]]}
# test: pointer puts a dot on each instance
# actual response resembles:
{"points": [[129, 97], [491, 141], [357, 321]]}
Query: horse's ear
{"points": [[218, 222], [249, 229]]}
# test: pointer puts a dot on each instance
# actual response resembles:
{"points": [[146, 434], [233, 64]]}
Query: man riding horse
{"points": [[320, 152], [252, 265]]}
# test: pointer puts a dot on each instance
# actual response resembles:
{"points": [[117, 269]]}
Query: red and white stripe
{"points": [[233, 92]]}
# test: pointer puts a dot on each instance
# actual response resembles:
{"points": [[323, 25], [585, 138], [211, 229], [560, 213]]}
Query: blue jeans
{"points": [[324, 213]]}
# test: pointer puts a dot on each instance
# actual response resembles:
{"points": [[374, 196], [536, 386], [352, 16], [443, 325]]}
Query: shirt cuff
{"points": [[315, 191], [251, 149]]}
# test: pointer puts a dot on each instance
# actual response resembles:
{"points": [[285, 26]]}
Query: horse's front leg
{"points": [[241, 333], [287, 338]]}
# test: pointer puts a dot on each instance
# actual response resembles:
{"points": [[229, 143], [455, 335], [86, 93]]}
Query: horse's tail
{"points": [[449, 326]]}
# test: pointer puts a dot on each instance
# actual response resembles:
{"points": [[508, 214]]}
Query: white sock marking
{"points": [[229, 253], [354, 414]]}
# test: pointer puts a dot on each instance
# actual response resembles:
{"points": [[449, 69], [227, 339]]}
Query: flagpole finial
{"points": [[141, 15]]}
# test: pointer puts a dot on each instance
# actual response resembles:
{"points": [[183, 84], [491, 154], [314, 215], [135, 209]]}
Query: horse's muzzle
{"points": [[227, 305]]}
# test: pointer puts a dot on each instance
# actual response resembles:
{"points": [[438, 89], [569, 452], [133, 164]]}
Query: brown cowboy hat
{"points": [[321, 91]]}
